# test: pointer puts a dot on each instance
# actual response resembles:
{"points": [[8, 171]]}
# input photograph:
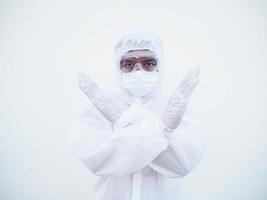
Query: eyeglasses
{"points": [[147, 65]]}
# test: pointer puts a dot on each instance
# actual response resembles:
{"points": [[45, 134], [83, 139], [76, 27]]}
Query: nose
{"points": [[138, 66]]}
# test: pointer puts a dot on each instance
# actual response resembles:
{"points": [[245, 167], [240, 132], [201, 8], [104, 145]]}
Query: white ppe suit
{"points": [[137, 157]]}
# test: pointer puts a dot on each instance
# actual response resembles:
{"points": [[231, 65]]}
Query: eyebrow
{"points": [[151, 59], [127, 61], [145, 59]]}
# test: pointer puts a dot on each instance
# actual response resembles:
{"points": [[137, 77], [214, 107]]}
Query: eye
{"points": [[128, 65], [149, 64]]}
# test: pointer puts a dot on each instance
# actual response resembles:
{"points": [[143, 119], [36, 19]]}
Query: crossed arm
{"points": [[128, 148]]}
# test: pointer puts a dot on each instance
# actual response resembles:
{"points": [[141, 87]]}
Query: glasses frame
{"points": [[135, 67]]}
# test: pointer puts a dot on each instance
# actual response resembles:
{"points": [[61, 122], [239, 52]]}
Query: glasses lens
{"points": [[150, 65], [126, 66]]}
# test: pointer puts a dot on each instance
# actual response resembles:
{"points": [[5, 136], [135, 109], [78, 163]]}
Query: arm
{"points": [[183, 153], [121, 151]]}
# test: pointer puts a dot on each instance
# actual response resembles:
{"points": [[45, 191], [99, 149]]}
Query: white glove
{"points": [[99, 98], [177, 104], [135, 113]]}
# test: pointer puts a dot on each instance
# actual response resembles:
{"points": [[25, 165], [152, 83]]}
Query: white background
{"points": [[43, 44]]}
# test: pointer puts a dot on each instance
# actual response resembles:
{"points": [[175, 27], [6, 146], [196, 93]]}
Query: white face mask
{"points": [[139, 83]]}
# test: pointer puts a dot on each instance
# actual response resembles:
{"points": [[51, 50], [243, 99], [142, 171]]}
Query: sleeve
{"points": [[107, 151], [183, 153]]}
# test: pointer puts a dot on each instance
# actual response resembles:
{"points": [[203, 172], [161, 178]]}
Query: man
{"points": [[137, 141]]}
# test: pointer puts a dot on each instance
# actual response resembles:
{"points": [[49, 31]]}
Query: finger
{"points": [[187, 85], [192, 72], [85, 81], [85, 84], [190, 89], [85, 89], [190, 84], [191, 75]]}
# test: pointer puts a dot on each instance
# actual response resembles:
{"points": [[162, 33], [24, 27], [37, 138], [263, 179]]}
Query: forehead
{"points": [[141, 53], [139, 59]]}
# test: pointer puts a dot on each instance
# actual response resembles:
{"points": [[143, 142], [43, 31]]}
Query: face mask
{"points": [[139, 83]]}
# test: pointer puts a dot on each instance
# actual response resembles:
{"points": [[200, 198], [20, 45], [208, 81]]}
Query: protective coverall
{"points": [[136, 156]]}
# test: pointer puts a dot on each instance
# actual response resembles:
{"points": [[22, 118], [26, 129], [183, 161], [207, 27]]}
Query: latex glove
{"points": [[135, 114], [178, 102], [99, 98]]}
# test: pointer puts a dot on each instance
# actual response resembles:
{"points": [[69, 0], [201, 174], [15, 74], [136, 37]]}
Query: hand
{"points": [[86, 85], [174, 112], [99, 98]]}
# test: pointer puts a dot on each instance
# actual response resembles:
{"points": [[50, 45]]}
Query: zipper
{"points": [[136, 185]]}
